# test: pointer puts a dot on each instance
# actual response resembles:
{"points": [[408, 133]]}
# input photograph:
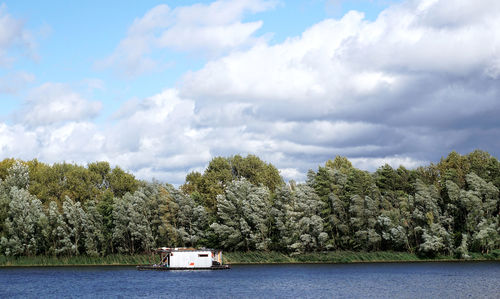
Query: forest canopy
{"points": [[242, 203]]}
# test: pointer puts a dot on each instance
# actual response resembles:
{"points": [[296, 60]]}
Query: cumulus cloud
{"points": [[16, 141], [153, 140], [52, 103], [211, 28], [412, 85], [159, 137]]}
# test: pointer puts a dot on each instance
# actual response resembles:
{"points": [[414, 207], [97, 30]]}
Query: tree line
{"points": [[242, 203]]}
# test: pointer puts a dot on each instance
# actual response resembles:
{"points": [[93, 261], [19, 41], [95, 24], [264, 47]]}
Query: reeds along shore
{"points": [[40, 260], [252, 257]]}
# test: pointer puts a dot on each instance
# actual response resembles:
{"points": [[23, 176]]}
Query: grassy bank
{"points": [[112, 260], [342, 257], [253, 257]]}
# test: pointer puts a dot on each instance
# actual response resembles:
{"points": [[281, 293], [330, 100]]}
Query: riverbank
{"points": [[253, 257], [109, 260], [333, 257]]}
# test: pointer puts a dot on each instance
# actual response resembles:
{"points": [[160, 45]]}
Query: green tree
{"points": [[192, 221], [76, 221], [121, 182], [95, 238], [302, 227], [222, 171], [57, 232], [131, 230], [363, 218], [435, 240], [23, 232], [242, 217], [18, 176], [487, 235], [105, 209], [393, 232], [5, 165]]}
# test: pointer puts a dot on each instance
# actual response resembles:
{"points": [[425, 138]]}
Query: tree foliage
{"points": [[243, 216], [241, 203], [222, 171]]}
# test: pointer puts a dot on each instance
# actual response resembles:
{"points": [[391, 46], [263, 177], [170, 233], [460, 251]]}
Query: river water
{"points": [[381, 280]]}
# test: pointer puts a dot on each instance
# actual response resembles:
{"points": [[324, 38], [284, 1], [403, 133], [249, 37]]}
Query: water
{"points": [[402, 280]]}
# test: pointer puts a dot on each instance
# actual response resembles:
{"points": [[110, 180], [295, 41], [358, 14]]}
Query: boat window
{"points": [[203, 255]]}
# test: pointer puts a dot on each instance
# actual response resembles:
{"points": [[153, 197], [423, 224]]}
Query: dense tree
{"points": [[105, 209], [18, 176], [222, 171], [131, 230], [192, 221], [241, 203], [364, 212], [94, 231], [23, 232], [435, 240], [297, 219], [76, 221], [243, 217], [55, 182], [5, 165], [168, 210], [330, 184], [393, 233], [57, 232], [304, 225], [487, 235]]}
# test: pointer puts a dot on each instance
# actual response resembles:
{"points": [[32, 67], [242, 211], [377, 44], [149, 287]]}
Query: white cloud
{"points": [[53, 103], [292, 174], [373, 163], [209, 28], [299, 70], [16, 141], [159, 136], [13, 33], [336, 61], [154, 140], [398, 89], [404, 89], [15, 81]]}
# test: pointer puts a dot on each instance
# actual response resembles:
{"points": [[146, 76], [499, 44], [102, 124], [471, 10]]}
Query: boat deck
{"points": [[162, 268]]}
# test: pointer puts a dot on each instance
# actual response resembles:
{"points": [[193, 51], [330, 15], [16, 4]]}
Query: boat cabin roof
{"points": [[184, 249]]}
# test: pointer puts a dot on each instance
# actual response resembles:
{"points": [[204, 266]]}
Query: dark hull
{"points": [[160, 268]]}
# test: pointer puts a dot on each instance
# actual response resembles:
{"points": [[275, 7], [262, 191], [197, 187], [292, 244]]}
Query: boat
{"points": [[186, 259]]}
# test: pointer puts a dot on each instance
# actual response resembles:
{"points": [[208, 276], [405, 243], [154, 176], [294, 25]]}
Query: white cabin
{"points": [[190, 257]]}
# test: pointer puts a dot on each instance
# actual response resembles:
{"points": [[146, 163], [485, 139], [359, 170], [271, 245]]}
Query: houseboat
{"points": [[186, 259]]}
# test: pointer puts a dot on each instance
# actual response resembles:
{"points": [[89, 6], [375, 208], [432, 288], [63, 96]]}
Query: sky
{"points": [[159, 88]]}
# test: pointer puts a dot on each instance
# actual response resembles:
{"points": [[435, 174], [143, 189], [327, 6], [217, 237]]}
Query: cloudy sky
{"points": [[161, 87]]}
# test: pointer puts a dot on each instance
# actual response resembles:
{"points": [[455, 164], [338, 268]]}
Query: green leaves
{"points": [[22, 230], [222, 171], [241, 203], [132, 228], [243, 217]]}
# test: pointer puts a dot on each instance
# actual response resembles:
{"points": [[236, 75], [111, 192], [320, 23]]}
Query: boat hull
{"points": [[161, 268]]}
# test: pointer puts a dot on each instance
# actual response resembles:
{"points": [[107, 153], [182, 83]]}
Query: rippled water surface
{"points": [[403, 280]]}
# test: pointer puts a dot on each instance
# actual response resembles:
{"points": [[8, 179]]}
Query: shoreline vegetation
{"points": [[246, 258], [68, 214]]}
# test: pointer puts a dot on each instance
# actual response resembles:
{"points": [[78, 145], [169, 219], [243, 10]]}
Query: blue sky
{"points": [[161, 87], [72, 36]]}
